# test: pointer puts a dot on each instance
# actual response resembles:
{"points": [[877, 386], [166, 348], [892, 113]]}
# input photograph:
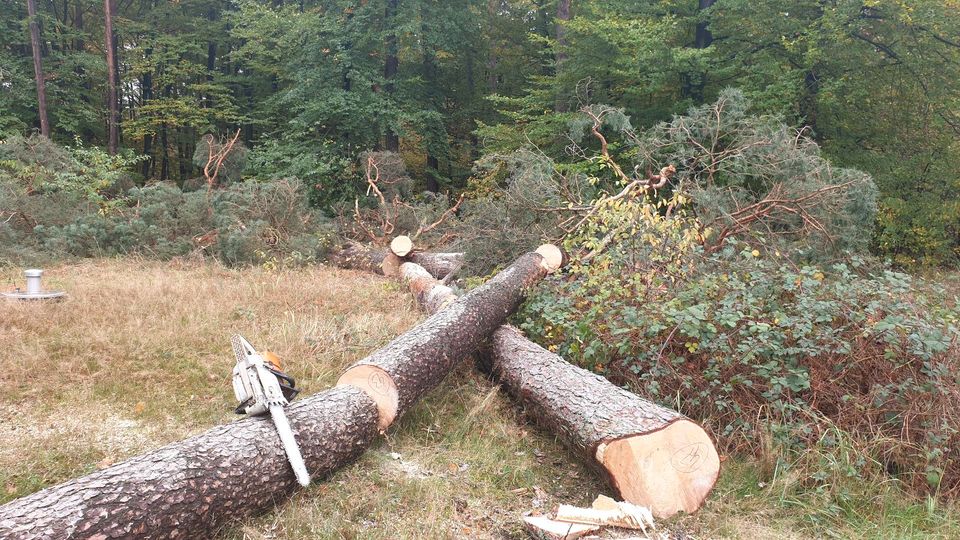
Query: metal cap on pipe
{"points": [[34, 289]]}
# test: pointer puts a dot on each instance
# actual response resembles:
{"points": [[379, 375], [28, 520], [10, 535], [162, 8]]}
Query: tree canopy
{"points": [[313, 85]]}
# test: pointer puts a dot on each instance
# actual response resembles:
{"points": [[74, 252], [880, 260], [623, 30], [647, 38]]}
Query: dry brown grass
{"points": [[139, 356]]}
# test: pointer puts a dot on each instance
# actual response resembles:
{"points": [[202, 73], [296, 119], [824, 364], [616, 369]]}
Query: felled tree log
{"points": [[652, 456], [431, 293], [416, 362], [357, 256], [191, 488]]}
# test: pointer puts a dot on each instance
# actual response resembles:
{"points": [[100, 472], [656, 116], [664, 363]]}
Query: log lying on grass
{"points": [[191, 488], [652, 456], [416, 362], [357, 256]]}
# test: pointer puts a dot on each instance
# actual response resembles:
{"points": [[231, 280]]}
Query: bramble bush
{"points": [[750, 343]]}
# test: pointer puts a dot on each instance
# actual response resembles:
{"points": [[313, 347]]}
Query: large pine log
{"points": [[652, 456], [191, 488], [416, 362], [357, 256]]}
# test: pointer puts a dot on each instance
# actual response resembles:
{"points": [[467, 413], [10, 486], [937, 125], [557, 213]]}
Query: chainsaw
{"points": [[261, 387]]}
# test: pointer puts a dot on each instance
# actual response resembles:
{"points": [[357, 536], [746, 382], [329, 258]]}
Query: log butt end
{"points": [[401, 246], [552, 257], [390, 266], [379, 385], [667, 471]]}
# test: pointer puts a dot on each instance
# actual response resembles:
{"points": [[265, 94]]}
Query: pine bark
{"points": [[588, 413], [418, 361], [192, 488], [113, 112], [355, 256], [38, 68]]}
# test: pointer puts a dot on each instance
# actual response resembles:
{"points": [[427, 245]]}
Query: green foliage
{"points": [[245, 223], [729, 161], [36, 164], [746, 342]]}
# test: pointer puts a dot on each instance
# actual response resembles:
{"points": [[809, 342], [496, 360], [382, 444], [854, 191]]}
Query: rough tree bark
{"points": [[356, 256], [190, 489], [563, 16], [652, 456], [113, 117], [38, 68], [391, 65], [416, 362]]}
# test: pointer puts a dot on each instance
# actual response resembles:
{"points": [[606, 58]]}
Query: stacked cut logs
{"points": [[191, 488], [387, 262], [651, 456]]}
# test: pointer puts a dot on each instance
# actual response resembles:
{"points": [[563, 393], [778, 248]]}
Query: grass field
{"points": [[139, 356]]}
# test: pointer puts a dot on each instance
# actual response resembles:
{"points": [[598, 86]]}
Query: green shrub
{"points": [[748, 341]]}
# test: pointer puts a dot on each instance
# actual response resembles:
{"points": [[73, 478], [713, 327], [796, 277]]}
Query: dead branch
{"points": [[216, 157]]}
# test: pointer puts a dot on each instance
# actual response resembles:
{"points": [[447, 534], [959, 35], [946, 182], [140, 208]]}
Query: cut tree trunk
{"points": [[192, 488], [652, 456], [416, 362], [357, 256]]}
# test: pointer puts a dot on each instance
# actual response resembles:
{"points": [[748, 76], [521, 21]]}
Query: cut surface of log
{"points": [[191, 488], [652, 456], [401, 245], [417, 361], [383, 391], [552, 257], [390, 266]]}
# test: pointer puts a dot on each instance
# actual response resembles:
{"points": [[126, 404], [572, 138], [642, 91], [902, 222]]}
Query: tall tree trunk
{"points": [[165, 142], [703, 37], [113, 113], [808, 102], [211, 59], [38, 68], [563, 15], [695, 81], [146, 94], [390, 67]]}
